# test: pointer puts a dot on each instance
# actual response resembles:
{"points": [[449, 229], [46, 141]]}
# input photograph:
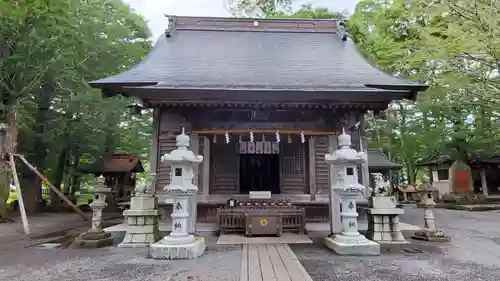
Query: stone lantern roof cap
{"points": [[426, 185], [345, 154], [182, 154]]}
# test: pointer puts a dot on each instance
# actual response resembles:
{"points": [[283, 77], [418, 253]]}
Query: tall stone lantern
{"points": [[179, 244], [345, 161]]}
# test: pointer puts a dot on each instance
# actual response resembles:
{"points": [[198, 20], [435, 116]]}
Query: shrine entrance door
{"points": [[259, 172]]}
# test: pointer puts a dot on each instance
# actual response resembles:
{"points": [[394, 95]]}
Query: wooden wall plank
{"points": [[292, 168], [322, 172], [171, 124], [223, 168]]}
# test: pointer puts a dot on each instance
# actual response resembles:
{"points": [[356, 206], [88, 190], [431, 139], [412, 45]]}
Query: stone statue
{"points": [[146, 188], [382, 187]]}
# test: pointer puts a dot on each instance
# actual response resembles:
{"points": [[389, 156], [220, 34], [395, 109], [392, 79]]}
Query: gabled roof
{"points": [[246, 54], [378, 161], [117, 163]]}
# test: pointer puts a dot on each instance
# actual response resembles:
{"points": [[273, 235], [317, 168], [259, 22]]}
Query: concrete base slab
{"points": [[139, 240], [163, 251], [286, 238], [431, 236], [93, 239], [204, 229], [368, 248]]}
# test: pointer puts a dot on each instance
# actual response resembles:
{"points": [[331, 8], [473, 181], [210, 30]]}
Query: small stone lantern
{"points": [[345, 161], [429, 233], [179, 244], [99, 203], [96, 237]]}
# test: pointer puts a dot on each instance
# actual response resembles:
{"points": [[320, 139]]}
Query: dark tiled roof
{"points": [[225, 54], [378, 160], [475, 158], [117, 163]]}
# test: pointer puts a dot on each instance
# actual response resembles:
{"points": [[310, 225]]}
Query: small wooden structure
{"points": [[119, 170]]}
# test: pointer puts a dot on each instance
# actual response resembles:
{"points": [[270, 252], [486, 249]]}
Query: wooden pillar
{"points": [[365, 172], [154, 148], [312, 168], [335, 221], [193, 201], [484, 183], [194, 146], [206, 166]]}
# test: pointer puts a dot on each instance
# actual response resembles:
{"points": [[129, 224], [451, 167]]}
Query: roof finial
{"points": [[171, 26], [182, 140], [344, 140]]}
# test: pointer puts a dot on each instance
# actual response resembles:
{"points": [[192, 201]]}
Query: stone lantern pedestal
{"points": [[96, 237], [430, 232], [345, 162], [383, 215], [142, 217], [180, 244]]}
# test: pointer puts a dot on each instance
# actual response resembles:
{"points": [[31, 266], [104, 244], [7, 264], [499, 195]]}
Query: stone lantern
{"points": [[345, 161], [429, 233], [179, 244], [96, 237]]}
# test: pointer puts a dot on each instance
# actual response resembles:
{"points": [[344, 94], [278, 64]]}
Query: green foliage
{"points": [[67, 43], [308, 12], [265, 7], [453, 46]]}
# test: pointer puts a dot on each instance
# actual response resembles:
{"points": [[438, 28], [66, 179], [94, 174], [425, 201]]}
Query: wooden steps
{"points": [[271, 262]]}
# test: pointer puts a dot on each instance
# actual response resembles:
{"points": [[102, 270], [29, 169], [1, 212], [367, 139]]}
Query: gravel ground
{"points": [[111, 263], [473, 253]]}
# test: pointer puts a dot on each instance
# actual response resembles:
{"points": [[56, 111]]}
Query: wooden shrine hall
{"points": [[262, 100]]}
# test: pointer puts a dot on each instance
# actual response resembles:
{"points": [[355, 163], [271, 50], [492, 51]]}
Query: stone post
{"points": [[96, 237], [345, 161], [383, 215], [142, 217], [180, 244], [429, 233]]}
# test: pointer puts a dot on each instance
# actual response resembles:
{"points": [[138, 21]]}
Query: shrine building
{"points": [[262, 100]]}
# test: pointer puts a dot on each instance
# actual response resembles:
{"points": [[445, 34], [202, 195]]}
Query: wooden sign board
{"points": [[250, 147], [259, 147]]}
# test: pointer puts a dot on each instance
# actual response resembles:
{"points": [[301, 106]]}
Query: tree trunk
{"points": [[64, 155], [39, 150], [8, 143], [75, 175]]}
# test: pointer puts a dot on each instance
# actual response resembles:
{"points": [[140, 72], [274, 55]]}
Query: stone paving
{"points": [[473, 254]]}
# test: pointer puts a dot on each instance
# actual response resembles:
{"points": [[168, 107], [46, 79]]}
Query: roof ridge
{"points": [[251, 24]]}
